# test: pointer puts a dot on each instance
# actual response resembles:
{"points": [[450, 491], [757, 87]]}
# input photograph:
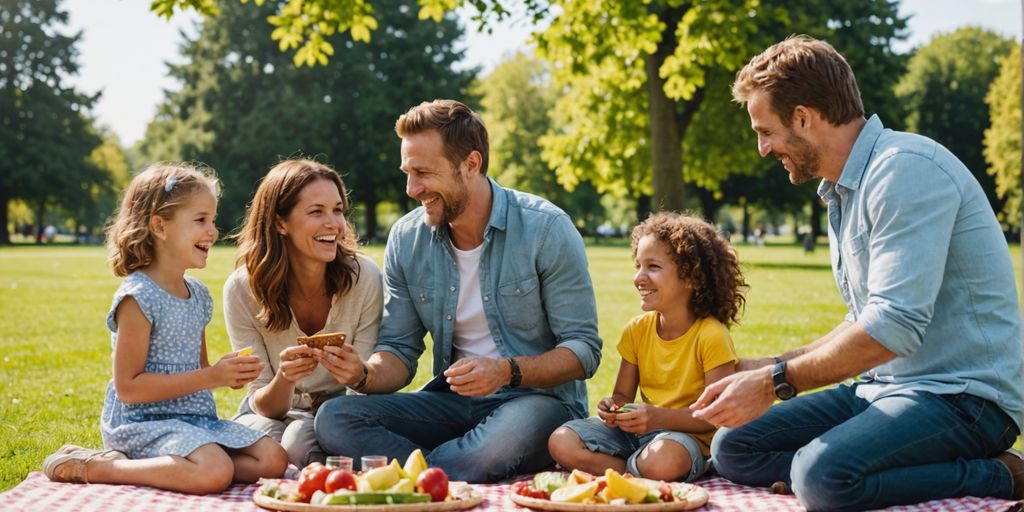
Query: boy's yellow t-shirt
{"points": [[672, 371]]}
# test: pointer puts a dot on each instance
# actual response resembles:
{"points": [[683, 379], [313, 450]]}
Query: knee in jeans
{"points": [[727, 454], [333, 420], [822, 481]]}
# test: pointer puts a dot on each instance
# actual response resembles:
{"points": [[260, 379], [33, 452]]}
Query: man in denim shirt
{"points": [[933, 327], [499, 280]]}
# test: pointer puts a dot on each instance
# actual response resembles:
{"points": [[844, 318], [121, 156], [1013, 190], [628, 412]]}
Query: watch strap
{"points": [[363, 381], [517, 373]]}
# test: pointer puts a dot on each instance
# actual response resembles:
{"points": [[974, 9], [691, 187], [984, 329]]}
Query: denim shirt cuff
{"points": [[887, 332], [585, 353], [410, 364]]}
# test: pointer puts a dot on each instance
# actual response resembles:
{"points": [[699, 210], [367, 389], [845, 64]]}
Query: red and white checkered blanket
{"points": [[38, 493]]}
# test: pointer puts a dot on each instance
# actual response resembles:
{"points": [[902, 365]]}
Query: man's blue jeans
{"points": [[838, 451], [484, 439]]}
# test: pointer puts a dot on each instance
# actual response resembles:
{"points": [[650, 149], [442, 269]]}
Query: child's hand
{"points": [[297, 363], [604, 411], [638, 420], [235, 371], [244, 352]]}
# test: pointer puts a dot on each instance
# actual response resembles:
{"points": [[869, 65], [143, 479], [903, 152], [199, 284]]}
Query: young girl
{"points": [[159, 422], [691, 288]]}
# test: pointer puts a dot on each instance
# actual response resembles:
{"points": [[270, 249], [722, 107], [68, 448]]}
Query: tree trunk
{"points": [[815, 221], [666, 150], [5, 235], [666, 139], [40, 214], [746, 220], [709, 205], [371, 217], [643, 207]]}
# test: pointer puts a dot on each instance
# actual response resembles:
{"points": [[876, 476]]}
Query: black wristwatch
{"points": [[517, 374], [362, 382], [783, 389]]}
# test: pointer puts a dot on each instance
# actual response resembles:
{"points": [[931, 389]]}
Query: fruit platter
{"points": [[612, 492], [411, 487]]}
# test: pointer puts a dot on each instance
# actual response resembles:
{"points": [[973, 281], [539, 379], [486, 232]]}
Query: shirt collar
{"points": [[857, 162], [499, 206]]}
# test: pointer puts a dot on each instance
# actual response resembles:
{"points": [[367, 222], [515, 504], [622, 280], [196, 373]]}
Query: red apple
{"points": [[340, 479], [434, 482], [312, 480]]}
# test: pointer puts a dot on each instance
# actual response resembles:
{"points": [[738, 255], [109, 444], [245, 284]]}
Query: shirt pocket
{"points": [[423, 301], [857, 260], [520, 303]]}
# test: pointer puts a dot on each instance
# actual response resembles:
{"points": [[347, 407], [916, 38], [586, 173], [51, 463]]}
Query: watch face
{"points": [[784, 391]]}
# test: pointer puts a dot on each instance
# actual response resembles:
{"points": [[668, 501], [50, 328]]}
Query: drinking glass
{"points": [[340, 462], [368, 462]]}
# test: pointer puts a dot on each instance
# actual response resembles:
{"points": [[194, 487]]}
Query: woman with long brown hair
{"points": [[300, 273]]}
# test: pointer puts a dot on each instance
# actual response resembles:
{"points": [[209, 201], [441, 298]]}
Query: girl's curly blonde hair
{"points": [[704, 259], [161, 189]]}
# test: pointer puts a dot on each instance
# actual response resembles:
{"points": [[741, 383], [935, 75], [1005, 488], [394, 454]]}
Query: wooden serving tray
{"points": [[696, 498], [434, 506]]}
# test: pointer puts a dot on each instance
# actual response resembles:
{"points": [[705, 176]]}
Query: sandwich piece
{"points": [[334, 339]]}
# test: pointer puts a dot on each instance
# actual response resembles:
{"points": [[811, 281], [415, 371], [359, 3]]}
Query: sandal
{"points": [[69, 463]]}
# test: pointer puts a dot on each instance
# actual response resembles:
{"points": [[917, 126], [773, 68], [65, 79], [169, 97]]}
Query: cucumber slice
{"points": [[375, 498]]}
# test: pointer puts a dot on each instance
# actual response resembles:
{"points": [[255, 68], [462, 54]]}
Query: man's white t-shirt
{"points": [[471, 337]]}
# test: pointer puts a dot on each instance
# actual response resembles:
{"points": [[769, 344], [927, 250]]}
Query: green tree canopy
{"points": [[633, 76], [244, 105], [45, 137], [1002, 137], [516, 99], [944, 93]]}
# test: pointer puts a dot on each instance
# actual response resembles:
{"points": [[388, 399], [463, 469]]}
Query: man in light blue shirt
{"points": [[933, 326], [499, 280]]}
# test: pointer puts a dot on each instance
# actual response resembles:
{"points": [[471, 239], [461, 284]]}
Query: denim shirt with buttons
{"points": [[923, 266], [534, 283]]}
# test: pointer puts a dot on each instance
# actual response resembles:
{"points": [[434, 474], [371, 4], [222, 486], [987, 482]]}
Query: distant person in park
{"points": [[300, 273], [499, 280], [809, 242], [933, 326], [159, 422], [691, 288]]}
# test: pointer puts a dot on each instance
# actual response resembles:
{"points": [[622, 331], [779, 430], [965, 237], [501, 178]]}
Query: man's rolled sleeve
{"points": [[910, 229], [401, 331], [568, 293]]}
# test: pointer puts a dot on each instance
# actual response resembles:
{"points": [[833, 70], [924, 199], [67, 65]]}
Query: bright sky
{"points": [[125, 47]]}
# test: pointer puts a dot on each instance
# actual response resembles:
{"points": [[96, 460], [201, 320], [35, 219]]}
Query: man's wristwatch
{"points": [[362, 382], [783, 389], [517, 374]]}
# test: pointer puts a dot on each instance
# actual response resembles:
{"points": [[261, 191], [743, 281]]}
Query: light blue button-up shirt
{"points": [[923, 266], [536, 290]]}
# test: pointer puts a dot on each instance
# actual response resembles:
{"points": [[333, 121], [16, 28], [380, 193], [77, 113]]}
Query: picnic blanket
{"points": [[38, 493]]}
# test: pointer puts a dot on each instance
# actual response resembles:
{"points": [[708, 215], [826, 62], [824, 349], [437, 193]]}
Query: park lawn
{"points": [[55, 347]]}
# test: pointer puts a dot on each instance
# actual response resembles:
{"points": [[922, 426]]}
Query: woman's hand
{"points": [[604, 411], [235, 371], [297, 363], [639, 420], [343, 363]]}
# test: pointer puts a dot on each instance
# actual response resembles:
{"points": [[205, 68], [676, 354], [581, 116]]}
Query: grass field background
{"points": [[55, 349]]}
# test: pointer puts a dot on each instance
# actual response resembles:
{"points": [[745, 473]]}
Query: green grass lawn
{"points": [[55, 348]]}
